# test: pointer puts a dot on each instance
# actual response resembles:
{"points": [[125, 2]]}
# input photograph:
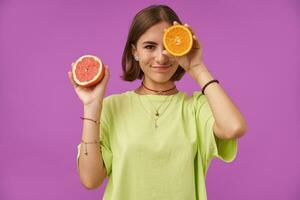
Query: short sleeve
{"points": [[105, 147], [104, 143], [78, 154], [105, 150], [209, 145]]}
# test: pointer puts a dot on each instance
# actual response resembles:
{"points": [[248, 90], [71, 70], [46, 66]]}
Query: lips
{"points": [[161, 66]]}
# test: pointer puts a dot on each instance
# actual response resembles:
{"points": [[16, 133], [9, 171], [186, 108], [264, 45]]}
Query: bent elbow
{"points": [[237, 132], [89, 185]]}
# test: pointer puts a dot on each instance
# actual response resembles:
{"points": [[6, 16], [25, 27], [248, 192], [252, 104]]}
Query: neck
{"points": [[167, 88]]}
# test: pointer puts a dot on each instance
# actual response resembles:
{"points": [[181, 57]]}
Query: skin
{"points": [[229, 122], [150, 52]]}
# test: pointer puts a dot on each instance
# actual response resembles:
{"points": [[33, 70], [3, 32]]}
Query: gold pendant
{"points": [[157, 114], [155, 119]]}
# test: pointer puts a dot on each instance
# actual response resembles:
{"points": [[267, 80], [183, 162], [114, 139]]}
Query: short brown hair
{"points": [[142, 21]]}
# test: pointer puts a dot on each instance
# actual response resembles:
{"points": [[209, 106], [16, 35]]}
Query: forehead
{"points": [[154, 33]]}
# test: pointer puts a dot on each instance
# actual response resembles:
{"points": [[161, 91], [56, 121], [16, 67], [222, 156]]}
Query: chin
{"points": [[161, 78]]}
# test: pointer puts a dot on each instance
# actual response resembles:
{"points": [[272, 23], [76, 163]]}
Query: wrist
{"points": [[200, 74], [92, 110], [94, 104]]}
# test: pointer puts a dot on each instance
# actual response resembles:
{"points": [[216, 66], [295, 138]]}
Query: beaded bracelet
{"points": [[86, 143], [97, 122], [212, 81]]}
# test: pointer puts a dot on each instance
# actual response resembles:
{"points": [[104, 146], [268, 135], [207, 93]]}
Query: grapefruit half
{"points": [[88, 70]]}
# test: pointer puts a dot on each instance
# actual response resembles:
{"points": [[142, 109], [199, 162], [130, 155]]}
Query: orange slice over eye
{"points": [[178, 40]]}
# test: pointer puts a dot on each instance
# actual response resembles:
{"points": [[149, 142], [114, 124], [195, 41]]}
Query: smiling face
{"points": [[157, 67]]}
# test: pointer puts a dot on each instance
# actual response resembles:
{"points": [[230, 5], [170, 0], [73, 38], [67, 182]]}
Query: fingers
{"points": [[187, 26], [175, 23], [196, 44], [107, 73], [70, 75], [101, 86]]}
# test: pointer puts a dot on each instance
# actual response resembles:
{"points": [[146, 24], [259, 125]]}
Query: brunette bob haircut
{"points": [[142, 21]]}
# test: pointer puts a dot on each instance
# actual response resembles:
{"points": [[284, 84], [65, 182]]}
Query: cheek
{"points": [[145, 58], [175, 68], [175, 65], [144, 63]]}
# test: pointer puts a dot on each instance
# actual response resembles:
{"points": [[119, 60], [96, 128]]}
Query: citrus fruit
{"points": [[178, 40], [88, 70]]}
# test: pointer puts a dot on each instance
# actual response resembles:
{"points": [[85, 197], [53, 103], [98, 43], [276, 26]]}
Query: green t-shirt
{"points": [[167, 162]]}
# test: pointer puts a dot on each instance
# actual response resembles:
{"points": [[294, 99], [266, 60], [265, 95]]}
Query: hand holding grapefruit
{"points": [[94, 93], [88, 70]]}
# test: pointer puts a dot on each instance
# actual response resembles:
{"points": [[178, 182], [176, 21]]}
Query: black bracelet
{"points": [[97, 122], [208, 84]]}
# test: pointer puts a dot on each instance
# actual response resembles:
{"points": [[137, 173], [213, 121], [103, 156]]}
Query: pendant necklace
{"points": [[157, 114]]}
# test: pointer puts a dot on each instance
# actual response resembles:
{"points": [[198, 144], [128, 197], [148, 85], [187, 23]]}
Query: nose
{"points": [[160, 57]]}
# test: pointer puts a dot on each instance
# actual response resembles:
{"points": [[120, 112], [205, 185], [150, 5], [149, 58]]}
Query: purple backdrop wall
{"points": [[252, 47]]}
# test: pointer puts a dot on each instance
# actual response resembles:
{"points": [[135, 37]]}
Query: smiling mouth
{"points": [[161, 66]]}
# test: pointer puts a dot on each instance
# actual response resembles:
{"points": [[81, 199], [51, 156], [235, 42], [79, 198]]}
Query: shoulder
{"points": [[195, 102], [115, 102], [201, 105], [197, 99], [113, 98]]}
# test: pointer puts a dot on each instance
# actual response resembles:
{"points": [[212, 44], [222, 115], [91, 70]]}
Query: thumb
{"points": [[104, 81], [107, 73]]}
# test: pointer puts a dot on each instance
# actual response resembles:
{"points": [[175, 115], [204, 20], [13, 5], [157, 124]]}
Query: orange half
{"points": [[178, 40]]}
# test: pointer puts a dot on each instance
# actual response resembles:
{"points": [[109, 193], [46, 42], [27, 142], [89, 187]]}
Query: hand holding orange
{"points": [[178, 40], [181, 43]]}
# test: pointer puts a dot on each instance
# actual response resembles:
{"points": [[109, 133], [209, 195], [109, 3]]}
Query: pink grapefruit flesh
{"points": [[88, 70]]}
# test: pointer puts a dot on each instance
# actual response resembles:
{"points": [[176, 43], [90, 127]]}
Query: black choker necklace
{"points": [[158, 91]]}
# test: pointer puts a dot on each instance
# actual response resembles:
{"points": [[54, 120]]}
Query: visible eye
{"points": [[149, 47]]}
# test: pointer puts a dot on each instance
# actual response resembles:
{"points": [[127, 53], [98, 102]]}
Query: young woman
{"points": [[155, 142]]}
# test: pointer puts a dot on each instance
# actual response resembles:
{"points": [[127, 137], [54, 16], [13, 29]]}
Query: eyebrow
{"points": [[150, 42]]}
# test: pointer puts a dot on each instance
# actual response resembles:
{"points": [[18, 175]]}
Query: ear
{"points": [[133, 50]]}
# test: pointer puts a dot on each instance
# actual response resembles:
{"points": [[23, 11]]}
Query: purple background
{"points": [[252, 47]]}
